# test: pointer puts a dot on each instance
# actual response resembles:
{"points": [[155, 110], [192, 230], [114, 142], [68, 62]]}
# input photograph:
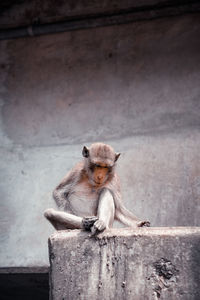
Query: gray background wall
{"points": [[136, 87]]}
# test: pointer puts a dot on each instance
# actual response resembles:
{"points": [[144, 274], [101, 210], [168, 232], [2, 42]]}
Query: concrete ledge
{"points": [[147, 263]]}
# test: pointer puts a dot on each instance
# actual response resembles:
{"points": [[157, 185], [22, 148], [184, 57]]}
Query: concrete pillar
{"points": [[147, 263]]}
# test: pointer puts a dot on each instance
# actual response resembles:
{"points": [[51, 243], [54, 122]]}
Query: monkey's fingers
{"points": [[98, 226], [94, 230], [144, 224], [88, 222]]}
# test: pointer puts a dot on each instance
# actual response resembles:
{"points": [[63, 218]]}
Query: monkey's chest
{"points": [[83, 201]]}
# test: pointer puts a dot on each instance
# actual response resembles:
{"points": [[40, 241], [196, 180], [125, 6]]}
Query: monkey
{"points": [[89, 196]]}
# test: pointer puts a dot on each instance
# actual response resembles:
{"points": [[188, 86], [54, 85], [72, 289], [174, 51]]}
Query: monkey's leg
{"points": [[105, 212], [63, 220]]}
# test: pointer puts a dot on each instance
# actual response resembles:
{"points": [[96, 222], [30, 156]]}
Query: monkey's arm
{"points": [[59, 195], [61, 192], [127, 218]]}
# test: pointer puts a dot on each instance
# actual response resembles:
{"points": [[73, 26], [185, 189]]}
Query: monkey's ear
{"points": [[117, 155], [85, 152]]}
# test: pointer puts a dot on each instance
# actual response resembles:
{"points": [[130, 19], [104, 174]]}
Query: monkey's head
{"points": [[100, 161]]}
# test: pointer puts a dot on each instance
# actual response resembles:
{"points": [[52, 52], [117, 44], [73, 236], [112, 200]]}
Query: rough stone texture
{"points": [[153, 263], [134, 86]]}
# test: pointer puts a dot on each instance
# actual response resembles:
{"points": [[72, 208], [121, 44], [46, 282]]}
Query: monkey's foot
{"points": [[144, 224], [88, 222]]}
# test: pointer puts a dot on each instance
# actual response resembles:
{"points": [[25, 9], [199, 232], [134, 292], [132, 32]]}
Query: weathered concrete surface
{"points": [[153, 263], [134, 86]]}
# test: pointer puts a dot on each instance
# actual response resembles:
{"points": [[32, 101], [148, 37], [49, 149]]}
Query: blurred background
{"points": [[126, 73]]}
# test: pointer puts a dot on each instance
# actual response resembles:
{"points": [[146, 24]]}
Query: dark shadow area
{"points": [[195, 269], [24, 286]]}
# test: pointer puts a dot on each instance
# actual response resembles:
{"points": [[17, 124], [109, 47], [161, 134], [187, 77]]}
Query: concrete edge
{"points": [[124, 232]]}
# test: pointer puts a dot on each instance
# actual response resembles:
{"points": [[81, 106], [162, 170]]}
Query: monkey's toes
{"points": [[88, 222], [144, 224]]}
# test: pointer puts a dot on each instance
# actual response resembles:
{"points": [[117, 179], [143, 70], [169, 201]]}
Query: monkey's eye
{"points": [[98, 166], [92, 167], [108, 168], [101, 167]]}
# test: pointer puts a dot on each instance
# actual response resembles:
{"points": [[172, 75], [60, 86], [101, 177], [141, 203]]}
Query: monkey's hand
{"points": [[144, 224], [88, 222], [98, 226]]}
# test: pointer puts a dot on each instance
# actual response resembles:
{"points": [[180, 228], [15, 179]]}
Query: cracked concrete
{"points": [[150, 263]]}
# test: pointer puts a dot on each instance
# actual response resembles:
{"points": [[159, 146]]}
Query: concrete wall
{"points": [[134, 86], [126, 264]]}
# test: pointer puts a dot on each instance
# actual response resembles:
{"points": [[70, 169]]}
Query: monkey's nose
{"points": [[99, 177]]}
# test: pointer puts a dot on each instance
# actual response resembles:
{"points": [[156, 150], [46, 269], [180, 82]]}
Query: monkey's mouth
{"points": [[98, 182]]}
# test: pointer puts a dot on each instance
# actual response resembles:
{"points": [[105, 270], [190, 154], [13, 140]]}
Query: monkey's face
{"points": [[99, 162], [99, 173]]}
